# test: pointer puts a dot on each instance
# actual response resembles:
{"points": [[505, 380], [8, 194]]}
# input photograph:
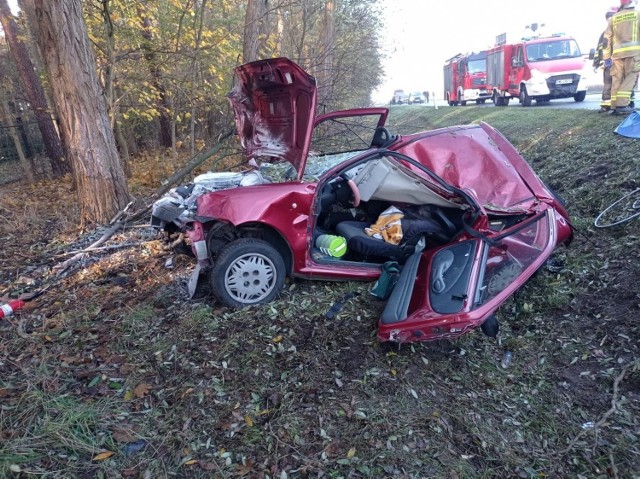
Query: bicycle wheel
{"points": [[620, 211]]}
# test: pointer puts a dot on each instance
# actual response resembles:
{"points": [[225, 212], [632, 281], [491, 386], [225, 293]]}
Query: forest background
{"points": [[154, 76]]}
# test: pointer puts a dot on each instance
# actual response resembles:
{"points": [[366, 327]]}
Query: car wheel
{"points": [[497, 99], [525, 99], [580, 96], [463, 103], [247, 271]]}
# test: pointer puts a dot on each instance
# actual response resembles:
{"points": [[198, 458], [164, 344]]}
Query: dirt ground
{"points": [[113, 373]]}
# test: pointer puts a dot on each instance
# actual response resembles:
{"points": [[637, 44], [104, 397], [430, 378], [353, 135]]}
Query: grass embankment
{"points": [[113, 360]]}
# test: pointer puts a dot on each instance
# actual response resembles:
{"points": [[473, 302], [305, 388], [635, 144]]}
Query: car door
{"points": [[456, 287], [339, 138]]}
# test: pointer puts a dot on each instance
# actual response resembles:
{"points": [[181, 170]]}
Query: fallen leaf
{"points": [[103, 455], [123, 436], [277, 339], [128, 396], [351, 453], [142, 390], [245, 469], [248, 420]]}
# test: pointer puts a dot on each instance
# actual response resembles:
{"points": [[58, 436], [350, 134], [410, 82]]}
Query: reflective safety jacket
{"points": [[623, 35], [597, 58]]}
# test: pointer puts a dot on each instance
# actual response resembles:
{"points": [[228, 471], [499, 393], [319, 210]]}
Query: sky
{"points": [[420, 35]]}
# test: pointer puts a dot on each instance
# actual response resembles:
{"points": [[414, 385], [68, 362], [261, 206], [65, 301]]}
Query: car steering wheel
{"points": [[354, 189]]}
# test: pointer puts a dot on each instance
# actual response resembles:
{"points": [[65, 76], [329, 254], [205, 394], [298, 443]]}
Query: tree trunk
{"points": [[28, 152], [154, 70], [121, 141], [255, 29], [24, 163], [84, 123], [325, 69], [34, 91], [195, 80], [279, 31]]}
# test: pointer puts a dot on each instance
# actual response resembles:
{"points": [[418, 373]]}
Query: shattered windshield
{"points": [[317, 165], [335, 140]]}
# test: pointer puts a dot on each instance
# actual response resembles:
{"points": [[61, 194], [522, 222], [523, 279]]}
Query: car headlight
{"points": [[537, 77]]}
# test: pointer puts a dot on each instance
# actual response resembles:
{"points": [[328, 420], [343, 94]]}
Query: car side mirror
{"points": [[516, 63], [592, 54]]}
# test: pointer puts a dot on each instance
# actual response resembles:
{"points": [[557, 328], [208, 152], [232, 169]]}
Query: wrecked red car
{"points": [[458, 209]]}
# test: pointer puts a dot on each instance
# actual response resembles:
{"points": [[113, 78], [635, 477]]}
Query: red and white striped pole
{"points": [[11, 307]]}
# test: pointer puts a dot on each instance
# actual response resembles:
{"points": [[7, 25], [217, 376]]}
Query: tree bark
{"points": [[84, 123], [24, 163], [28, 152], [255, 29], [34, 91], [154, 70], [328, 40]]}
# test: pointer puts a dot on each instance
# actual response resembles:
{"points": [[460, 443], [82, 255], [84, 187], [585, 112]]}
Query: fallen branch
{"points": [[61, 268], [612, 410], [121, 213], [120, 220], [192, 164], [106, 248]]}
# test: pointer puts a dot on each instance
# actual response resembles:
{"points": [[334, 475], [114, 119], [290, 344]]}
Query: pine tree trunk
{"points": [[34, 91], [84, 123]]}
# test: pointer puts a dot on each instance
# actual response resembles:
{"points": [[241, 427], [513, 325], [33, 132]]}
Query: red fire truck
{"points": [[465, 79], [541, 69]]}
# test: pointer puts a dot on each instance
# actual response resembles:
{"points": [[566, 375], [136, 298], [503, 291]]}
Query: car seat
{"points": [[377, 250]]}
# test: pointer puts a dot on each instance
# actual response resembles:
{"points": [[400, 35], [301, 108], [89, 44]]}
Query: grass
{"points": [[281, 391]]}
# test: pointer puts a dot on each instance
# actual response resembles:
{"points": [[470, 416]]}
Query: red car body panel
{"points": [[284, 207], [470, 159]]}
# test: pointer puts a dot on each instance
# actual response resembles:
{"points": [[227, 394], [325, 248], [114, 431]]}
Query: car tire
{"points": [[247, 271], [497, 99], [463, 103], [525, 99], [580, 96]]}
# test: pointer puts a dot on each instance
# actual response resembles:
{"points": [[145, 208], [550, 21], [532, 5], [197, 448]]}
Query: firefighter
{"points": [[605, 104], [621, 53]]}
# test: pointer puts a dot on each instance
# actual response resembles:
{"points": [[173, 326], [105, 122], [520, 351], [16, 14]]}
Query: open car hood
{"points": [[274, 103]]}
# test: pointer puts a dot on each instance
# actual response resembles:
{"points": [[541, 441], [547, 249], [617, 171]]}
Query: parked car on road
{"points": [[416, 97], [397, 98], [458, 209]]}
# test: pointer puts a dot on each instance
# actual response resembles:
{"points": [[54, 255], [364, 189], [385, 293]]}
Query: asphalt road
{"points": [[591, 102]]}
